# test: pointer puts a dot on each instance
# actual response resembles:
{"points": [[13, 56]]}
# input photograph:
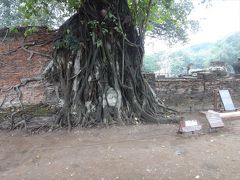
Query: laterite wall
{"points": [[195, 94]]}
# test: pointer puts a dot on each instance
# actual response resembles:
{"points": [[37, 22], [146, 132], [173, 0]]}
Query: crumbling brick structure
{"points": [[23, 58], [195, 94]]}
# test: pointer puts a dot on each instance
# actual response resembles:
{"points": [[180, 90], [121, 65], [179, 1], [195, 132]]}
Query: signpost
{"points": [[227, 100], [214, 119], [189, 126]]}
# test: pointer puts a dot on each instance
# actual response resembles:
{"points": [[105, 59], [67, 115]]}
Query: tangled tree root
{"points": [[97, 64], [30, 118], [98, 61]]}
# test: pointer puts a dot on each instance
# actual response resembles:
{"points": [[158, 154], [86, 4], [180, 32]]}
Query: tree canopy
{"points": [[165, 19], [33, 13]]}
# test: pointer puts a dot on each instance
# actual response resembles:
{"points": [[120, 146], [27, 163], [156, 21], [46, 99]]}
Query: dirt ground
{"points": [[126, 152]]}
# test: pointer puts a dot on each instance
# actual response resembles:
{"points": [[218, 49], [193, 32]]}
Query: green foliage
{"points": [[151, 62], [13, 29], [30, 31], [168, 19], [226, 49], [142, 12], [69, 42], [165, 19], [100, 28], [172, 21], [50, 13], [93, 24]]}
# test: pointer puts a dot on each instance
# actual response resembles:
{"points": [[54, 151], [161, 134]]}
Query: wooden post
{"points": [[215, 100]]}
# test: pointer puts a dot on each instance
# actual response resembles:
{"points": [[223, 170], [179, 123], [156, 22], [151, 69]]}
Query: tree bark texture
{"points": [[98, 59]]}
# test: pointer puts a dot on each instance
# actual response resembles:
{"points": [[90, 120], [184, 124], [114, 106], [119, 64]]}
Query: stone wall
{"points": [[195, 94], [17, 63]]}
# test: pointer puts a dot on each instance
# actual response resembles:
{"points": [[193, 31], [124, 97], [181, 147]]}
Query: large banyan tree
{"points": [[98, 58]]}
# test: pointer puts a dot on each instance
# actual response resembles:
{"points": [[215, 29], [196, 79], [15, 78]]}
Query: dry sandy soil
{"points": [[127, 152]]}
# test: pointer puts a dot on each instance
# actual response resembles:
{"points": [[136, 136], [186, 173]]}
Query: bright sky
{"points": [[216, 21], [222, 18]]}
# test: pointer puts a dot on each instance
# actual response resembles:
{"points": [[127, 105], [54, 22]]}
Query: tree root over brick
{"points": [[97, 61], [97, 66]]}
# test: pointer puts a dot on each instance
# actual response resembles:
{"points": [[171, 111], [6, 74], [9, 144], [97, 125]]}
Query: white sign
{"points": [[189, 126], [191, 123], [214, 119]]}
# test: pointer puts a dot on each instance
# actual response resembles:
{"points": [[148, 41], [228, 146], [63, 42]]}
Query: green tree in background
{"points": [[200, 55], [151, 62], [21, 13]]}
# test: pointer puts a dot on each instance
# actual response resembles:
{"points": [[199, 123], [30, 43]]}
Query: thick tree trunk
{"points": [[97, 60]]}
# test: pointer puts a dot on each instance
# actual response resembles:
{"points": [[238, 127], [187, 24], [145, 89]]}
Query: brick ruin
{"points": [[20, 60], [195, 94], [18, 63]]}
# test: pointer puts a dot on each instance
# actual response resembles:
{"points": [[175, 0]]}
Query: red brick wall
{"points": [[15, 66]]}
